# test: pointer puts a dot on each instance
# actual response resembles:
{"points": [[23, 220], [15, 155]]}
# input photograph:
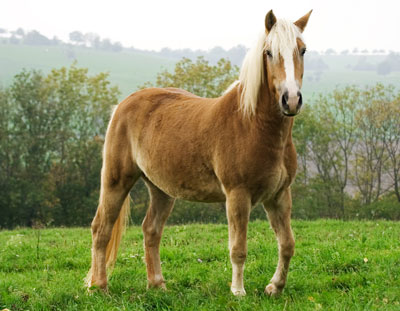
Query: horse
{"points": [[236, 149]]}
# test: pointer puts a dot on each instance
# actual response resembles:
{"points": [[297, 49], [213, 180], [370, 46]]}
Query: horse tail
{"points": [[116, 234]]}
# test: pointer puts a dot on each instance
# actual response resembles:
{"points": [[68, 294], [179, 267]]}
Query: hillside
{"points": [[341, 70], [130, 68], [127, 70]]}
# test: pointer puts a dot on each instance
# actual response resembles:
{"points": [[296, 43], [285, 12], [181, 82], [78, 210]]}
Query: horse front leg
{"points": [[279, 213], [238, 206]]}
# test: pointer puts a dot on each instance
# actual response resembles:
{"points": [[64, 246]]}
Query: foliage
{"points": [[51, 129], [50, 157], [199, 78], [348, 150], [337, 266]]}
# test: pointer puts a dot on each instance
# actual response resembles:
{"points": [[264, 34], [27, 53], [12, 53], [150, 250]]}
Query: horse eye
{"points": [[269, 53], [303, 51]]}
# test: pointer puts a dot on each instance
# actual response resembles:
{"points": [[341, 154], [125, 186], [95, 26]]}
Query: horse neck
{"points": [[269, 118], [268, 125]]}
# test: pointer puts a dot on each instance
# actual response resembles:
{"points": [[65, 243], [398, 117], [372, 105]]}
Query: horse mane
{"points": [[281, 39]]}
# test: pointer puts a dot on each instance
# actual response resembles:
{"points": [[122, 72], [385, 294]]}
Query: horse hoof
{"points": [[272, 290], [159, 285], [238, 292], [97, 289]]}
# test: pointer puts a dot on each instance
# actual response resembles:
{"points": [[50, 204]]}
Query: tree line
{"points": [[90, 40], [52, 130], [50, 146], [348, 145]]}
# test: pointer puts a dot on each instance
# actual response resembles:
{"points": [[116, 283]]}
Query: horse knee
{"points": [[238, 256]]}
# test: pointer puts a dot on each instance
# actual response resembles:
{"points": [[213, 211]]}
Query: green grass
{"points": [[337, 266]]}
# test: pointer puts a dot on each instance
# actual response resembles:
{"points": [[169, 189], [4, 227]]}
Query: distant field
{"points": [[340, 74], [128, 70], [332, 79], [337, 266]]}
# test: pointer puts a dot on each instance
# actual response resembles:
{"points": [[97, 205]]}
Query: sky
{"points": [[150, 24]]}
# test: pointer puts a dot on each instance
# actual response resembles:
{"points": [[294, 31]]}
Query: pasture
{"points": [[130, 69], [337, 266]]}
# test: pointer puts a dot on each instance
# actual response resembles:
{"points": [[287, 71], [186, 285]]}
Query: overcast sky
{"points": [[149, 24]]}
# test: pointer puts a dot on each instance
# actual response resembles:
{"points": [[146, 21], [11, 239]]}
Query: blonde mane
{"points": [[280, 40]]}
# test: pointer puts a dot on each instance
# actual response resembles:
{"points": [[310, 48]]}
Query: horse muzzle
{"points": [[291, 104]]}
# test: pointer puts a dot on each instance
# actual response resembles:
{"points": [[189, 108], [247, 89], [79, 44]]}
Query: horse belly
{"points": [[193, 183], [194, 191]]}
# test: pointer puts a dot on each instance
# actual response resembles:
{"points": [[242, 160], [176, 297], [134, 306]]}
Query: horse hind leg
{"points": [[153, 224], [109, 222]]}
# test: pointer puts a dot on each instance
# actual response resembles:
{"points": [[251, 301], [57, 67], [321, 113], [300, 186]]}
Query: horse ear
{"points": [[270, 20], [302, 21]]}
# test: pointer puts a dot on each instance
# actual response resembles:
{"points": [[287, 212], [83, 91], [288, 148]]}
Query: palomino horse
{"points": [[236, 148]]}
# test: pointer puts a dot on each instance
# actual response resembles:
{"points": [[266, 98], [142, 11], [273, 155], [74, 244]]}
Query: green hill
{"points": [[343, 70], [127, 70]]}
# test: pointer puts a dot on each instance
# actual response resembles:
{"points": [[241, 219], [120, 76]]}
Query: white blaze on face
{"points": [[290, 83], [282, 40]]}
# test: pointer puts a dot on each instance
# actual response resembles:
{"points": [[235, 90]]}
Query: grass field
{"points": [[337, 266], [130, 69], [127, 70]]}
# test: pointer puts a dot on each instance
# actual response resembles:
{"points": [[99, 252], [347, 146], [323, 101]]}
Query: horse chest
{"points": [[270, 183]]}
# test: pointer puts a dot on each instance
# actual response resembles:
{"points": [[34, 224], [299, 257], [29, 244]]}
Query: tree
{"points": [[50, 146], [8, 161], [389, 64], [200, 77], [384, 68], [20, 32], [84, 109], [77, 37], [391, 126], [330, 51], [371, 155], [325, 138], [92, 40], [36, 38]]}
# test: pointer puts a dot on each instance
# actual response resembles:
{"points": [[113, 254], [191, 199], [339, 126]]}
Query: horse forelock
{"points": [[281, 40]]}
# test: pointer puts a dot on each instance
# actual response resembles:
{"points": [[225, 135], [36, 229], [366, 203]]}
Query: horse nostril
{"points": [[285, 99], [300, 100], [286, 96]]}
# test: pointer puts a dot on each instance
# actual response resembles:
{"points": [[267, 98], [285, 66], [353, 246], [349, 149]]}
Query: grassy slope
{"points": [[328, 271], [340, 74], [127, 70]]}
